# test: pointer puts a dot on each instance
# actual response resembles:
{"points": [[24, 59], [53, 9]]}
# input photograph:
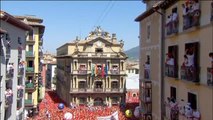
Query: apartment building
{"points": [[92, 71], [12, 66], [34, 87], [185, 40]]}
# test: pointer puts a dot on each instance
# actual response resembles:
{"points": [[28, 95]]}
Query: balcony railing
{"points": [[20, 71], [19, 94], [10, 73], [147, 74], [191, 20], [172, 27], [82, 89], [210, 76], [29, 54], [114, 72], [30, 69], [28, 102], [171, 71], [98, 89], [82, 71], [29, 85], [189, 74], [8, 98]]}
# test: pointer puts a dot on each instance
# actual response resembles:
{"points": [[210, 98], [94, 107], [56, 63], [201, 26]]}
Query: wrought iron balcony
{"points": [[29, 54], [10, 74], [192, 19], [147, 74], [28, 102], [98, 89], [171, 71], [8, 98], [19, 94], [114, 71], [80, 71], [29, 87], [29, 69], [20, 71], [189, 74], [210, 76]]}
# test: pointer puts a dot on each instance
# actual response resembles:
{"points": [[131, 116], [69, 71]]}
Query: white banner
{"points": [[114, 116]]}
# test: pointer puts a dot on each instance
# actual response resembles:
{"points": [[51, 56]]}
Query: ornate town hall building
{"points": [[92, 71]]}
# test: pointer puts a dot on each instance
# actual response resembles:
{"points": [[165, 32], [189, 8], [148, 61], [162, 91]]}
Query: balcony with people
{"points": [[171, 67], [114, 86], [190, 68], [172, 22], [98, 86], [10, 71], [147, 69], [82, 86], [210, 71], [20, 90], [82, 69], [8, 97], [21, 68], [114, 70], [191, 14]]}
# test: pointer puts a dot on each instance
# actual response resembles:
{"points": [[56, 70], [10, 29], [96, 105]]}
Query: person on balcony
{"points": [[185, 16], [170, 59], [189, 65], [147, 70], [196, 12], [174, 21], [168, 25]]}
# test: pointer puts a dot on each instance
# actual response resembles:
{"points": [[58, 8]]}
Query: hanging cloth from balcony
{"points": [[102, 71]]}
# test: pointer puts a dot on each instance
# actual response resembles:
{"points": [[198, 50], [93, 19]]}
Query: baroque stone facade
{"points": [[92, 71]]}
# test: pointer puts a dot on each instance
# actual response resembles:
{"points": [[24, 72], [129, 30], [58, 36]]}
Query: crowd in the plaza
{"points": [[48, 110]]}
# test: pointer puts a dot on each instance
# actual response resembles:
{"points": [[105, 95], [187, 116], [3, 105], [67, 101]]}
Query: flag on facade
{"points": [[106, 69]]}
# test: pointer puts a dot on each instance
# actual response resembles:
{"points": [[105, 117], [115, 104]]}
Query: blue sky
{"points": [[64, 20]]}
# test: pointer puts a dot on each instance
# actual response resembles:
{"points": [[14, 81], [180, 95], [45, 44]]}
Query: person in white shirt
{"points": [[185, 16], [174, 22], [196, 12]]}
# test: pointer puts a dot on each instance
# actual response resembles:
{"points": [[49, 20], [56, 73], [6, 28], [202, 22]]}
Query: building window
{"points": [[171, 64], [29, 96], [148, 32], [147, 68], [19, 40], [192, 99], [30, 48], [31, 35], [30, 63], [173, 92], [99, 50]]}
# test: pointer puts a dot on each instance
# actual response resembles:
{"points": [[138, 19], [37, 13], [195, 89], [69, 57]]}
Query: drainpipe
{"points": [[162, 45], [162, 61]]}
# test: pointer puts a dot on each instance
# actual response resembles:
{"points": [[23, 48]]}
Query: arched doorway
{"points": [[98, 101]]}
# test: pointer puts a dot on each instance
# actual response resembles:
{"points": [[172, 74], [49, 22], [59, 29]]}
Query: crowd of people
{"points": [[48, 110]]}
